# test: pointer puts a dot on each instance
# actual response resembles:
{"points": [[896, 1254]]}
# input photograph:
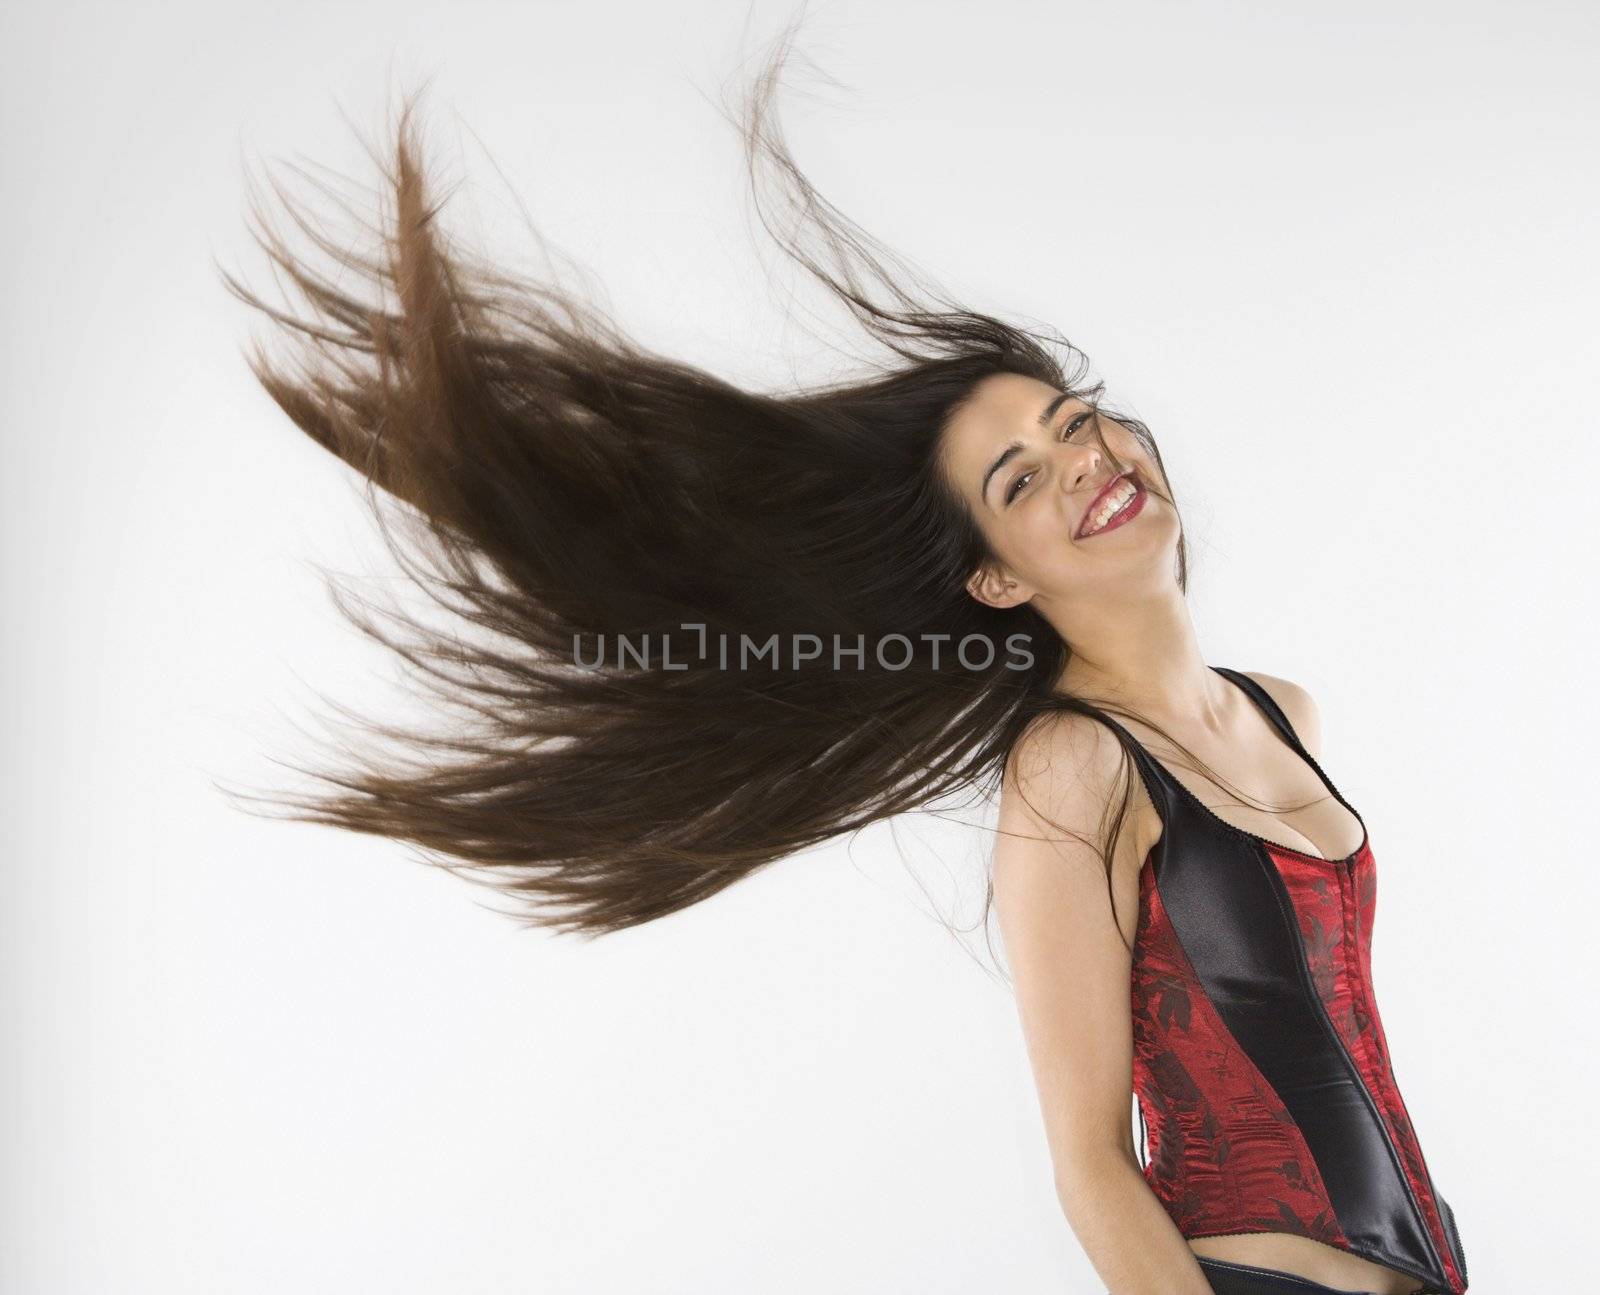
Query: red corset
{"points": [[1260, 1063]]}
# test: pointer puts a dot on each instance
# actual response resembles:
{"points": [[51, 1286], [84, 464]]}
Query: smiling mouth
{"points": [[1118, 503]]}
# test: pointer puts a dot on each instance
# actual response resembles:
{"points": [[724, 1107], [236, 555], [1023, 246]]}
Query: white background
{"points": [[1341, 257]]}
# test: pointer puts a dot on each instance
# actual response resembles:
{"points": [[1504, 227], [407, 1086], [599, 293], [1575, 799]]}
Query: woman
{"points": [[713, 626]]}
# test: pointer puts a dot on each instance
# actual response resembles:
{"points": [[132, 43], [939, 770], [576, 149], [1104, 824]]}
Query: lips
{"points": [[1100, 497]]}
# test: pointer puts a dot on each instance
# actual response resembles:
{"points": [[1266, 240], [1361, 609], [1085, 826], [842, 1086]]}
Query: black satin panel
{"points": [[1233, 916]]}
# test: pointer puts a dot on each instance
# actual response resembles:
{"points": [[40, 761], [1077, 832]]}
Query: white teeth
{"points": [[1113, 505]]}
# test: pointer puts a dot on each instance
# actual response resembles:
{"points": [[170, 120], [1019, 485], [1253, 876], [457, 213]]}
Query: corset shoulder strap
{"points": [[1263, 699]]}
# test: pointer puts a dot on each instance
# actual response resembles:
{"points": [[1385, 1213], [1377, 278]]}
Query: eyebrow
{"points": [[1016, 447]]}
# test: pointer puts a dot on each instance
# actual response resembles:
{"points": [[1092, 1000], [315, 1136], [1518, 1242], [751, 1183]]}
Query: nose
{"points": [[1082, 466]]}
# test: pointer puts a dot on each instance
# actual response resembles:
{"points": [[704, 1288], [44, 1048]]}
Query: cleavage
{"points": [[1312, 820]]}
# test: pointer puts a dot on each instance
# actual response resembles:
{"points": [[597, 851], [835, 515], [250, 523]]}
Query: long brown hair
{"points": [[558, 490]]}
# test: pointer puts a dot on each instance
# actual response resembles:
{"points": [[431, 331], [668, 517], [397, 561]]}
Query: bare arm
{"points": [[1072, 977]]}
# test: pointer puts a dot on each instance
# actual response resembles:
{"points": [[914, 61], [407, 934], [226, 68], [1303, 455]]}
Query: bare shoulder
{"points": [[1056, 806], [1064, 764], [1298, 705], [1060, 744]]}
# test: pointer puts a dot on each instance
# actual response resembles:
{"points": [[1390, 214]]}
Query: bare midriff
{"points": [[1310, 1259]]}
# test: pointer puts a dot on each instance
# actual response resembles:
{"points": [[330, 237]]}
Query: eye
{"points": [[1068, 432], [1071, 428]]}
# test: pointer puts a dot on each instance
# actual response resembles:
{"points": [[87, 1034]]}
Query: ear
{"points": [[994, 588]]}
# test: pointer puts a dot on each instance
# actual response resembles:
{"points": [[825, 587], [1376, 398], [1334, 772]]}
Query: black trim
{"points": [[1452, 1235]]}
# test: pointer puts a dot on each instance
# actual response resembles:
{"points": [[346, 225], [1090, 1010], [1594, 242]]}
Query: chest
{"points": [[1263, 789]]}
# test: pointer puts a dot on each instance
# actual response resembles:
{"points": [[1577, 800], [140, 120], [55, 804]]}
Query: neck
{"points": [[1145, 657]]}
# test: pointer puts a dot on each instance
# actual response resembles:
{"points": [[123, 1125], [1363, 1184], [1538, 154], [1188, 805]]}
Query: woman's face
{"points": [[1027, 464]]}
